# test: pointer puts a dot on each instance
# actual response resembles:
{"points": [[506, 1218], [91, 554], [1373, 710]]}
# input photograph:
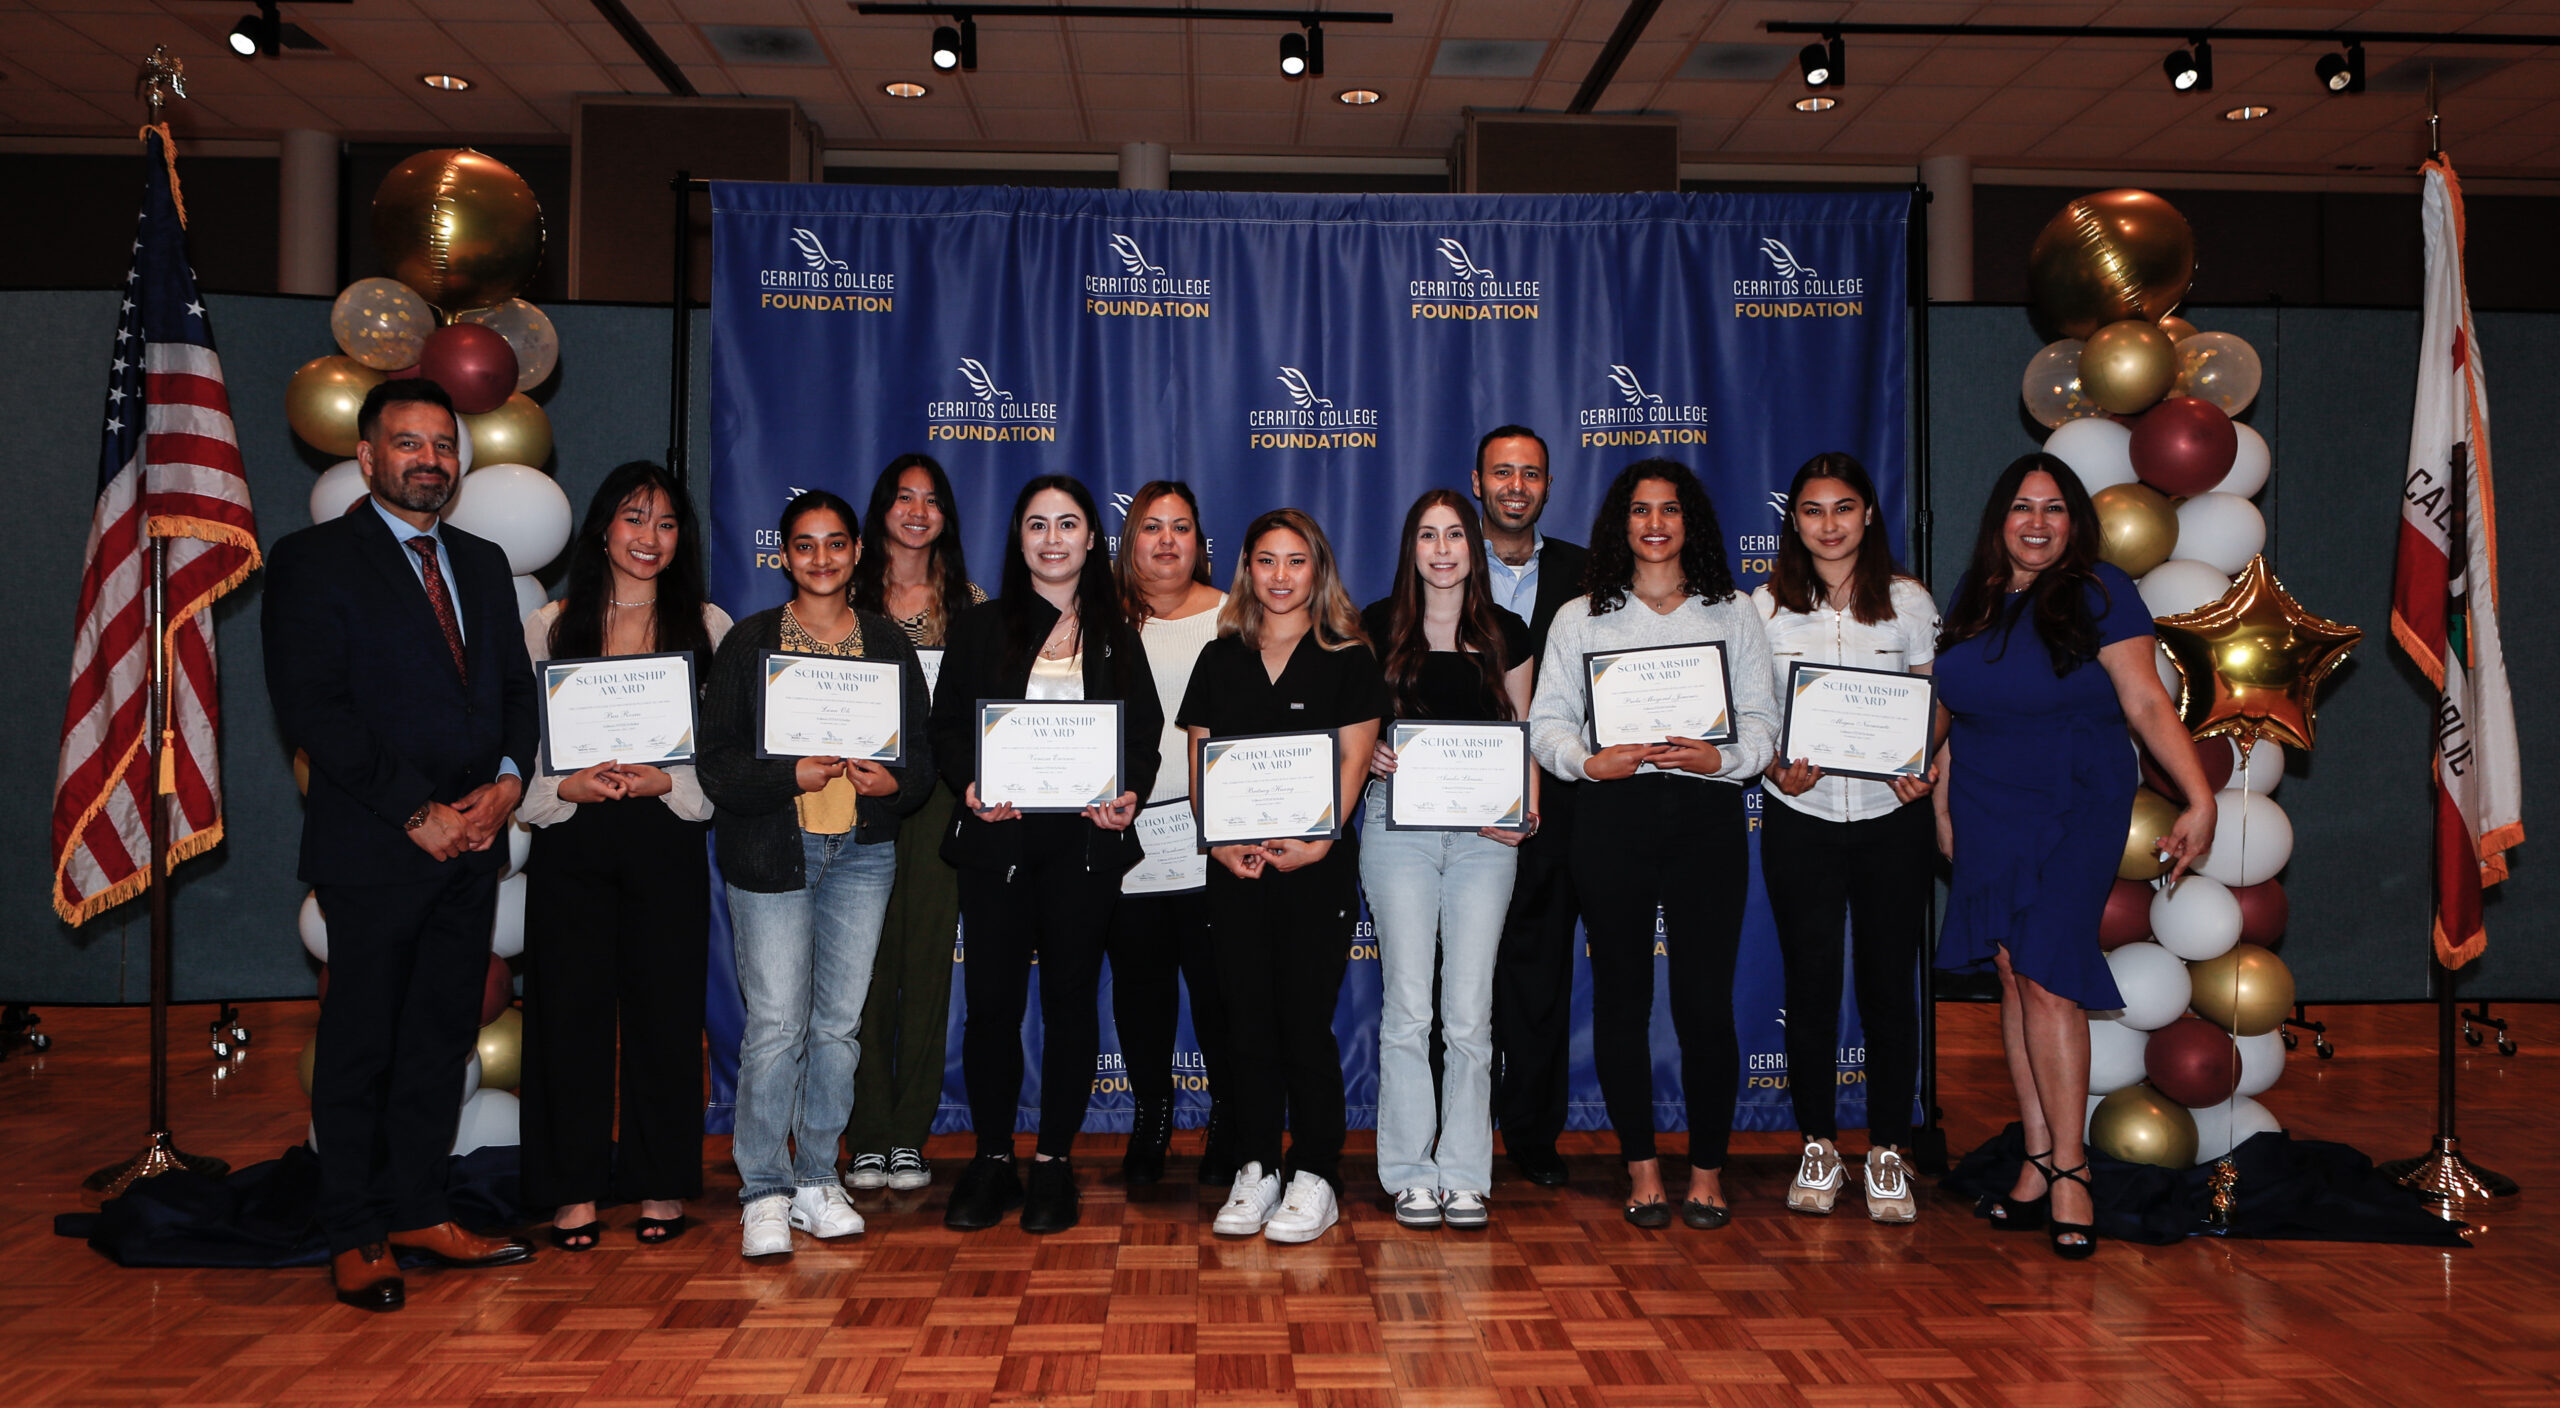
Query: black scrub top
{"points": [[1450, 684], [1232, 694]]}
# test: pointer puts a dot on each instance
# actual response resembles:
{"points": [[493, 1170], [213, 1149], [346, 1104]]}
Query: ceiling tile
{"points": [[1032, 124]]}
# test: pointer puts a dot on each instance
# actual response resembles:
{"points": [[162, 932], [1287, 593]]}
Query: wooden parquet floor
{"points": [[1559, 1303]]}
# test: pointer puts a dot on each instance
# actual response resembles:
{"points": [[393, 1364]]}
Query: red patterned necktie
{"points": [[441, 601]]}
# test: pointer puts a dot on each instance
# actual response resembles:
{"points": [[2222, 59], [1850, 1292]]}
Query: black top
{"points": [[1449, 682], [1232, 694], [1560, 566]]}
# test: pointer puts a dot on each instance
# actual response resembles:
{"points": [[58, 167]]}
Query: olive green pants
{"points": [[906, 1019]]}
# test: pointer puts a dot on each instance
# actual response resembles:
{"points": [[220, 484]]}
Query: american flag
{"points": [[168, 467]]}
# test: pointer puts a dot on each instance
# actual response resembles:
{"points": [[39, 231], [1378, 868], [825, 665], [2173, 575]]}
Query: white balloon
{"points": [[530, 595], [2249, 468], [2170, 679], [2223, 531], [337, 489], [506, 937], [2181, 584], [462, 444], [2115, 1055], [315, 929], [311, 1133], [521, 510], [2196, 918], [2261, 1061], [2091, 1113], [2266, 767], [2097, 449], [2154, 983], [2225, 1127], [519, 846], [470, 1077], [2252, 839], [488, 1122]]}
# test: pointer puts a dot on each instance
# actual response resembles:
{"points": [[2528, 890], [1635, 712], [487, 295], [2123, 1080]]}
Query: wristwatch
{"points": [[417, 818]]}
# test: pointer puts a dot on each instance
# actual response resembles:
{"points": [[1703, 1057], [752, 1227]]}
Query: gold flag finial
{"points": [[163, 76]]}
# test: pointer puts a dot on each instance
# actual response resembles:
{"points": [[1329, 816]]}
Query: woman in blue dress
{"points": [[2044, 662]]}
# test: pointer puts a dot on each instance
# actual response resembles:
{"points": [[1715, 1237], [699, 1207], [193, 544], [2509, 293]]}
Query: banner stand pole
{"points": [[680, 344], [1929, 1136]]}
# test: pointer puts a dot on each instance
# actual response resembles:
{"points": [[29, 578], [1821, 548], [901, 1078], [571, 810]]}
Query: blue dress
{"points": [[2042, 786]]}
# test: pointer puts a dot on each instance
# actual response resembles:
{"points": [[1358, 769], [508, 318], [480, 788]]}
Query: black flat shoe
{"points": [[988, 1189], [2058, 1229], [1652, 1217], [581, 1238], [1706, 1217], [657, 1231], [1051, 1203], [1149, 1132], [2014, 1214], [1540, 1164]]}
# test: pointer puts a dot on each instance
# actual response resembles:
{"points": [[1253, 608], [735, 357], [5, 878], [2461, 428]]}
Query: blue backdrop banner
{"points": [[1336, 353]]}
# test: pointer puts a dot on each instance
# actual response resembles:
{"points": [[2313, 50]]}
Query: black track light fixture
{"points": [[1821, 61], [2342, 72], [1315, 50], [1302, 54], [258, 34], [956, 47], [2191, 70]]}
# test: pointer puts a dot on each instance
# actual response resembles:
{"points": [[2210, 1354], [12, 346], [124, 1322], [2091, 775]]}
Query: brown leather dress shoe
{"points": [[367, 1278], [452, 1246]]}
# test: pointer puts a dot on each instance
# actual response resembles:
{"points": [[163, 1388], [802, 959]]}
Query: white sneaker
{"points": [[1889, 1197], [1306, 1213], [870, 1172], [1249, 1204], [1818, 1179], [824, 1211], [1464, 1207], [908, 1171], [1418, 1207], [768, 1226]]}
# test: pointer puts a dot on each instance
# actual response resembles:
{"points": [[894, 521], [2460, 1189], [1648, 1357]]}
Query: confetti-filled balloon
{"points": [[381, 323], [528, 330]]}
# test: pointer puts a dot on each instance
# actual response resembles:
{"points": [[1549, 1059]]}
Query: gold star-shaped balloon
{"points": [[2253, 661]]}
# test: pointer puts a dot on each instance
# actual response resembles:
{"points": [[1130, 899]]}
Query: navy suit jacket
{"points": [[362, 681]]}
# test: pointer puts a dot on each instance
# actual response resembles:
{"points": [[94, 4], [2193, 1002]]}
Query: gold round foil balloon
{"points": [[302, 772], [2127, 367], [529, 335], [322, 400], [502, 1051], [2153, 816], [2108, 257], [309, 1060], [517, 432], [2179, 329], [2137, 527], [2246, 992], [461, 228], [2254, 660], [2051, 387], [2220, 368], [381, 323], [2139, 1125]]}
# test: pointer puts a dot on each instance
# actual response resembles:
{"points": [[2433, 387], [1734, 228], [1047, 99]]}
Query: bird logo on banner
{"points": [[813, 249], [1623, 377], [1788, 266], [1134, 258], [1460, 263], [1302, 391], [981, 382]]}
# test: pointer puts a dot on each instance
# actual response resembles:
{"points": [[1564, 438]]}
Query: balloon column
{"points": [[2142, 407]]}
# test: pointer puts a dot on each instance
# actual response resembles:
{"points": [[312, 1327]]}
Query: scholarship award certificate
{"points": [[929, 657], [622, 709], [1048, 755], [1458, 776], [1270, 787], [831, 706], [1174, 862], [1660, 693], [1859, 723]]}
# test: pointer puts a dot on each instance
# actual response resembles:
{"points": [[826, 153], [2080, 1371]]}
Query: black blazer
{"points": [[362, 682], [1560, 566], [980, 663]]}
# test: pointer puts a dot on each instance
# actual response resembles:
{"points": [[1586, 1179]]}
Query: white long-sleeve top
{"points": [[1559, 717], [1826, 635], [542, 805]]}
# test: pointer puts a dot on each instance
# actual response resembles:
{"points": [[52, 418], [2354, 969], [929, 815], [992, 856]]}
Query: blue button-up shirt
{"points": [[1515, 589]]}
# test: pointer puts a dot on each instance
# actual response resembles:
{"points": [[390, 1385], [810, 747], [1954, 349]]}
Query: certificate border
{"points": [[1119, 748], [1528, 764], [1183, 802], [1787, 721], [693, 693], [1199, 751], [1724, 668], [764, 676]]}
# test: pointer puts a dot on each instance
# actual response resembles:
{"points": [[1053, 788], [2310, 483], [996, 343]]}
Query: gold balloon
{"points": [[2137, 527], [2108, 257], [460, 228], [381, 323], [2153, 817], [517, 432], [310, 1059], [2246, 992], [322, 400], [502, 1052], [2139, 1125], [2179, 329], [2254, 661], [2127, 367], [302, 772]]}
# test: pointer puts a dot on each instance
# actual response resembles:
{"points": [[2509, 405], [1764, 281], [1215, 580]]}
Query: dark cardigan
{"points": [[982, 663], [756, 824]]}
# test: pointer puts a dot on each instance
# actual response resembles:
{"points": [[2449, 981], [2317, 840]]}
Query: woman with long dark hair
{"points": [[1438, 897], [618, 894], [2044, 662], [911, 571], [1844, 848], [1039, 885], [1664, 826]]}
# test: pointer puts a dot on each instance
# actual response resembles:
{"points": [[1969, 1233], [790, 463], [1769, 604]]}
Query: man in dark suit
{"points": [[1531, 575], [395, 660]]}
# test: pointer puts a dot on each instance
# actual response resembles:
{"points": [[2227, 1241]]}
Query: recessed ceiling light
{"points": [[1817, 103], [446, 82], [904, 89], [2247, 112], [1357, 97]]}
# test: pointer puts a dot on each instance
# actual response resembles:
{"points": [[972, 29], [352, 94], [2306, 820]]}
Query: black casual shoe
{"points": [[1540, 1164], [1149, 1132], [988, 1189], [1218, 1166], [1052, 1204]]}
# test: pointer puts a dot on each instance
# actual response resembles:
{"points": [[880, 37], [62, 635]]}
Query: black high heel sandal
{"points": [[2087, 1246], [2014, 1214], [658, 1231], [581, 1238]]}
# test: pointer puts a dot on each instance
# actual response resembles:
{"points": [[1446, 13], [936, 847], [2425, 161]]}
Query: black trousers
{"points": [[617, 922], [1047, 911], [1533, 981], [1683, 844], [1157, 942], [1283, 942], [407, 965], [1874, 874]]}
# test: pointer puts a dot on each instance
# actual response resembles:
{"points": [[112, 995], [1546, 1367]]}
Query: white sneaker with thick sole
{"points": [[1418, 1207], [1818, 1179], [1306, 1213], [870, 1172], [1889, 1196], [767, 1223], [825, 1212], [1249, 1203], [908, 1171], [1464, 1208]]}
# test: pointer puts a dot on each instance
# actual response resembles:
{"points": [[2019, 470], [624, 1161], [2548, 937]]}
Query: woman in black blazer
{"points": [[1041, 884]]}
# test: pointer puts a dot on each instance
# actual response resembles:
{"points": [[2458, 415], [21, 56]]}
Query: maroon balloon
{"points": [[2181, 447], [2128, 916], [2213, 753], [2263, 912], [2193, 1062], [498, 991], [477, 369]]}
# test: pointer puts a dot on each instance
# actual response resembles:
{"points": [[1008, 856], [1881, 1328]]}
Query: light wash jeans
{"points": [[1443, 894], [804, 968]]}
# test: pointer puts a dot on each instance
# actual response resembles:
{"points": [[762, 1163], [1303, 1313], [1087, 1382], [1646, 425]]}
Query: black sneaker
{"points": [[1149, 1132], [988, 1189], [1051, 1207], [1218, 1166]]}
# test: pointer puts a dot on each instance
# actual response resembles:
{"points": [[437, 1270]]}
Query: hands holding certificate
{"points": [[1114, 815], [612, 781], [1678, 754]]}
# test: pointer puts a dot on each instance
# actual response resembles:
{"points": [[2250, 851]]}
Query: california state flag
{"points": [[2444, 594]]}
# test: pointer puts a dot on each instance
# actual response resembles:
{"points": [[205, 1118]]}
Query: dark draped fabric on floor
{"points": [[261, 1215]]}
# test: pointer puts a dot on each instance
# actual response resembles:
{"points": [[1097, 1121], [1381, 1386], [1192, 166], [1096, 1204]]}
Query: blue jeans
{"points": [[1435, 894], [804, 968]]}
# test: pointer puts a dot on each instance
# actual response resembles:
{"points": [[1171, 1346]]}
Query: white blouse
{"points": [[1906, 640], [1173, 647], [542, 805]]}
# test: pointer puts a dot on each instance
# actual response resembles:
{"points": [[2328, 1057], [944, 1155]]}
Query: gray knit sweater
{"points": [[1559, 730]]}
